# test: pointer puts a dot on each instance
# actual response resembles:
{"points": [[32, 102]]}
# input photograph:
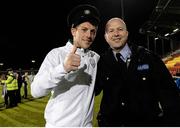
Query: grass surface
{"points": [[30, 113]]}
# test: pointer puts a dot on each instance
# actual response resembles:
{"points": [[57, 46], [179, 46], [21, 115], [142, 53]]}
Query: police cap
{"points": [[83, 13]]}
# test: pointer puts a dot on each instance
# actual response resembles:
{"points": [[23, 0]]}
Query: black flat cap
{"points": [[83, 13]]}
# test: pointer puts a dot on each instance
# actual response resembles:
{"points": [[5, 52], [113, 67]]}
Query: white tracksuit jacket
{"points": [[72, 97]]}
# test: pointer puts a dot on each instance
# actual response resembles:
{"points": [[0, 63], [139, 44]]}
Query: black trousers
{"points": [[12, 98]]}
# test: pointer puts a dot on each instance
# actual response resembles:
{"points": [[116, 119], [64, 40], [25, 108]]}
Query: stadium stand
{"points": [[172, 62]]}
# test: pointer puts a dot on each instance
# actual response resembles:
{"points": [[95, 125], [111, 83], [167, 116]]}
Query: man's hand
{"points": [[72, 60]]}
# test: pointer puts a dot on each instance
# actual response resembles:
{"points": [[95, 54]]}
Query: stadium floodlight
{"points": [[33, 61], [176, 30], [156, 38], [167, 34]]}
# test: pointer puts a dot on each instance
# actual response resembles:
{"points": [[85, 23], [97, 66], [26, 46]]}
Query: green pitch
{"points": [[30, 113]]}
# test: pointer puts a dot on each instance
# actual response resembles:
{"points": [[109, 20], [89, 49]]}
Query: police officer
{"points": [[12, 86], [138, 89], [69, 73]]}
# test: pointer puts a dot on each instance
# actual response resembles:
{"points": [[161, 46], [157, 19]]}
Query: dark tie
{"points": [[118, 56], [123, 64]]}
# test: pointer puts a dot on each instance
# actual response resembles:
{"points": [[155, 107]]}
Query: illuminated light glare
{"points": [[175, 30], [33, 61], [156, 38], [167, 34]]}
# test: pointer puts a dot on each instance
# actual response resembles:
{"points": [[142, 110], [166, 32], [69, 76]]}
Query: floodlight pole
{"points": [[122, 9]]}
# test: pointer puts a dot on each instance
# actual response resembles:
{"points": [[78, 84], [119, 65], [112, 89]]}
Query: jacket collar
{"points": [[80, 51]]}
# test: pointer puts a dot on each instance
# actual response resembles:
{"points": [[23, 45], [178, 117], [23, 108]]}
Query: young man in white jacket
{"points": [[69, 73]]}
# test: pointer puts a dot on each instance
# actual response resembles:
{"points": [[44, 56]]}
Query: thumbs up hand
{"points": [[72, 60]]}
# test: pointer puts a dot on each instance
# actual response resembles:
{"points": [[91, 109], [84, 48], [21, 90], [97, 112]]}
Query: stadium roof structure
{"points": [[164, 20]]}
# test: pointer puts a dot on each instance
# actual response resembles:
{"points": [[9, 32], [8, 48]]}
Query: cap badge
{"points": [[87, 12]]}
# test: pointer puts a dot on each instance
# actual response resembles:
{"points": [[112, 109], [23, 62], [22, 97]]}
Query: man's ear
{"points": [[105, 36], [73, 30], [127, 33]]}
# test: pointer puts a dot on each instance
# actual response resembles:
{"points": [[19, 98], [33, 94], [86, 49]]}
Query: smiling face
{"points": [[116, 34], [83, 35]]}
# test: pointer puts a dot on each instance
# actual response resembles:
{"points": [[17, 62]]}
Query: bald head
{"points": [[117, 20], [116, 33]]}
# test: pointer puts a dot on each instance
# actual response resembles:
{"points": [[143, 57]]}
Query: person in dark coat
{"points": [[138, 89], [20, 81]]}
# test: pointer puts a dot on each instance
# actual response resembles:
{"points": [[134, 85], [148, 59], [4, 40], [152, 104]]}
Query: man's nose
{"points": [[88, 34], [116, 33]]}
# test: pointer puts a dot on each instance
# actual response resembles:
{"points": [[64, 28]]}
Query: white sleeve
{"points": [[49, 75]]}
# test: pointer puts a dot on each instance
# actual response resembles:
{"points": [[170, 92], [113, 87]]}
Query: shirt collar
{"points": [[125, 53]]}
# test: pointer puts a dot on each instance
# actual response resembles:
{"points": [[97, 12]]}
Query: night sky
{"points": [[29, 30]]}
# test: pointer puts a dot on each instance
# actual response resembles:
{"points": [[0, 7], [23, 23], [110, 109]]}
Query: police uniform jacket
{"points": [[144, 94], [72, 94], [11, 82]]}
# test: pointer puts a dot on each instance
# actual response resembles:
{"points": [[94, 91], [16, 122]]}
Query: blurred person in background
{"points": [[26, 84], [4, 89], [12, 86], [20, 82]]}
